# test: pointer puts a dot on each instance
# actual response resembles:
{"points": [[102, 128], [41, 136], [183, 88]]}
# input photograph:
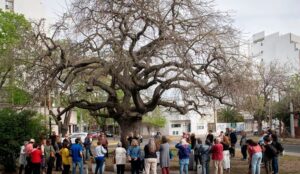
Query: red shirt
{"points": [[254, 149], [36, 156], [217, 152]]}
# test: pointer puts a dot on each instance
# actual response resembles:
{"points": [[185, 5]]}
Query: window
{"points": [[9, 5], [200, 126], [175, 125], [175, 132]]}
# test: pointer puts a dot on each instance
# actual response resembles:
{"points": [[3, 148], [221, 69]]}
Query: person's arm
{"points": [[103, 150], [178, 145]]}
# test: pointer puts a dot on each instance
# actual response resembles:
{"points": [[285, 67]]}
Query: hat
{"points": [[31, 140]]}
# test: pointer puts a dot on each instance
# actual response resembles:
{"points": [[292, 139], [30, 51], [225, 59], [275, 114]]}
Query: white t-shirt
{"points": [[120, 155], [100, 151]]}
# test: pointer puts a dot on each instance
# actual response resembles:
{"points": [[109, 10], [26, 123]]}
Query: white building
{"points": [[283, 49], [31, 9]]}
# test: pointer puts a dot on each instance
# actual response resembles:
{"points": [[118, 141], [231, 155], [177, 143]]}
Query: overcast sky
{"points": [[250, 16]]}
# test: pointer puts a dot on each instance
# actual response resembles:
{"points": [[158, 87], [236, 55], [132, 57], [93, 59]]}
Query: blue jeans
{"points": [[255, 163], [99, 164], [205, 167], [184, 166], [80, 165], [275, 164], [88, 152]]}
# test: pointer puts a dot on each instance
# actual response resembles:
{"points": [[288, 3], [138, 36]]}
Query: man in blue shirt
{"points": [[77, 155]]}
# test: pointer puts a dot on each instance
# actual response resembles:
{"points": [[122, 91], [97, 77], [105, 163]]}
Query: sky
{"points": [[250, 16]]}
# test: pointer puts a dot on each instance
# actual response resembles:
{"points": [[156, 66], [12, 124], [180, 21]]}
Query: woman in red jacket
{"points": [[217, 156], [36, 159]]}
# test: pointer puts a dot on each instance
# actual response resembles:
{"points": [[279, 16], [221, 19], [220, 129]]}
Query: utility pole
{"points": [[292, 120]]}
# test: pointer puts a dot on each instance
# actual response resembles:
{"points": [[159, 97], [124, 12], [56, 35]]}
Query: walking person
{"points": [[134, 152], [164, 158], [36, 159], [217, 156], [279, 149], [120, 158], [49, 156], [77, 156], [243, 145], [210, 136], [100, 152], [64, 152], [226, 154], [150, 157], [205, 150], [28, 150], [197, 152], [87, 145], [184, 151], [22, 157], [255, 156], [233, 140]]}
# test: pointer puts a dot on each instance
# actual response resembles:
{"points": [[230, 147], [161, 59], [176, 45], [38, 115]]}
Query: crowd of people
{"points": [[41, 157]]}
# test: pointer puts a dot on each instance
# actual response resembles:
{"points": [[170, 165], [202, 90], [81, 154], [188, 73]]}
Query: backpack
{"points": [[278, 147], [272, 151]]}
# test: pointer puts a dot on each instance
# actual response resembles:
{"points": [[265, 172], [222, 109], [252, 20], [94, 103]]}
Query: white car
{"points": [[81, 135]]}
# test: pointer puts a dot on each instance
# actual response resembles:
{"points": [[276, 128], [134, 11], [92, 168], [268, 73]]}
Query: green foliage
{"points": [[229, 115], [15, 128], [155, 119], [18, 96]]}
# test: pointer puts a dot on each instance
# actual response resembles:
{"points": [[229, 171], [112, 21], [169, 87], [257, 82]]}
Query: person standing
{"points": [[210, 136], [22, 158], [104, 142], [233, 140], [120, 158], [205, 156], [217, 156], [184, 151], [275, 143], [49, 156], [57, 148], [255, 156], [87, 145], [134, 152], [28, 150], [100, 152], [64, 152], [164, 157], [150, 157], [243, 145], [226, 155], [270, 153], [77, 156], [36, 159], [197, 153]]}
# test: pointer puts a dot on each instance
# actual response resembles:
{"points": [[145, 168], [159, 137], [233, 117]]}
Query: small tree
{"points": [[229, 115]]}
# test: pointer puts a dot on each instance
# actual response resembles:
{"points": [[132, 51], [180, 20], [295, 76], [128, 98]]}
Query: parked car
{"points": [[94, 135], [109, 134], [82, 136]]}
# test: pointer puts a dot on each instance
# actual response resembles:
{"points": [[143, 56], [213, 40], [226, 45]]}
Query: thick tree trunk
{"points": [[126, 127], [259, 125]]}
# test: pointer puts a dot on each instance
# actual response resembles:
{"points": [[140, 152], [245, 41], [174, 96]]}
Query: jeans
{"points": [[244, 151], [150, 163], [275, 165], [66, 169], [184, 166], [99, 164], [80, 165], [120, 168], [88, 152], [205, 167], [255, 163]]}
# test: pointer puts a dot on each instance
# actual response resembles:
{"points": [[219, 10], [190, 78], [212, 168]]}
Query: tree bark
{"points": [[127, 126]]}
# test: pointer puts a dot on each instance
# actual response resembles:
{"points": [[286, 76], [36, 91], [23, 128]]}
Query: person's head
{"points": [[134, 142], [131, 134], [267, 139], [65, 144], [119, 144], [221, 132], [210, 131], [32, 141], [98, 143], [227, 129], [199, 141], [262, 132], [77, 140], [183, 141], [58, 139], [243, 133], [43, 141], [217, 140], [164, 139], [35, 145], [53, 133], [48, 142], [152, 145], [193, 136], [250, 142], [226, 140]]}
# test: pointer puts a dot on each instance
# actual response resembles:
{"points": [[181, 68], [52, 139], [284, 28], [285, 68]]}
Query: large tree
{"points": [[125, 58]]}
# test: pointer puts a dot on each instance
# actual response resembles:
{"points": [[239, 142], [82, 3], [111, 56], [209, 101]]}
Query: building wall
{"points": [[283, 49]]}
